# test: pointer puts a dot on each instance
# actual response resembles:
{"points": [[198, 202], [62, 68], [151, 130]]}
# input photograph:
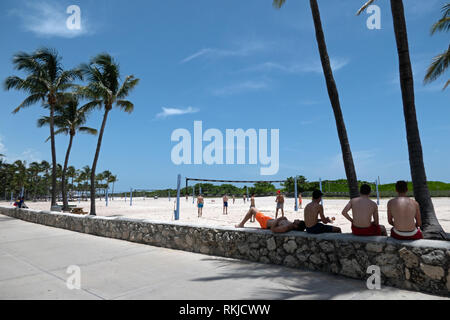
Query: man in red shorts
{"points": [[365, 221], [404, 215], [279, 225]]}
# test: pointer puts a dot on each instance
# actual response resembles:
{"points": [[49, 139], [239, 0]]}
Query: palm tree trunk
{"points": [[334, 99], [94, 164], [63, 177], [52, 141], [431, 227]]}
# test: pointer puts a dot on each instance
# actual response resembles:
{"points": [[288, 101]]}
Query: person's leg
{"points": [[282, 211], [276, 213], [251, 213]]}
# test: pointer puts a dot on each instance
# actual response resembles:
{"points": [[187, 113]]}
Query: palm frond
{"points": [[438, 66], [29, 101], [127, 86], [278, 3], [442, 24], [364, 7], [446, 85], [88, 130], [125, 105]]}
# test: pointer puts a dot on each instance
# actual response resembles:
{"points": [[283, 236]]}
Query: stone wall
{"points": [[422, 265]]}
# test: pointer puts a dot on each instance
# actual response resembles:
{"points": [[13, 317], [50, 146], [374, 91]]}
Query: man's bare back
{"points": [[363, 209], [404, 214]]}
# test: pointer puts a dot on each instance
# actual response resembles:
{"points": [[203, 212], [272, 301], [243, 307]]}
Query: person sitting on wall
{"points": [[312, 212], [404, 215], [279, 225], [363, 211]]}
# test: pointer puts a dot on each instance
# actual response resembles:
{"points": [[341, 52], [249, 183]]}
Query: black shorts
{"points": [[319, 228]]}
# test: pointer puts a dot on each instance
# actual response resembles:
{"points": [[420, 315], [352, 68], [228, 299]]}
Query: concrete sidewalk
{"points": [[34, 260]]}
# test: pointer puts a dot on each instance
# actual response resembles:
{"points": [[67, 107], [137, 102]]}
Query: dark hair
{"points": [[401, 186], [301, 225], [365, 189], [317, 194]]}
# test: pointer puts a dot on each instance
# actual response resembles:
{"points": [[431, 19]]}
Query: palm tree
{"points": [[440, 62], [104, 90], [46, 82], [113, 180], [431, 227], [69, 119], [334, 98]]}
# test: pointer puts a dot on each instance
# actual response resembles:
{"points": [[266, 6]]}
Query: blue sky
{"points": [[235, 64]]}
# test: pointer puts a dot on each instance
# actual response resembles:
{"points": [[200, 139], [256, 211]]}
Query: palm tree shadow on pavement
{"points": [[286, 283]]}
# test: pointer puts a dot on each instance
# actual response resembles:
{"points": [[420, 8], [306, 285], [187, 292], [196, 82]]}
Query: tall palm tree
{"points": [[431, 227], [441, 62], [105, 91], [69, 119], [46, 81], [334, 98]]}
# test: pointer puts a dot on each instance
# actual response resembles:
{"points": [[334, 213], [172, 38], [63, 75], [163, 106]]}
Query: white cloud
{"points": [[48, 19], [168, 112], [240, 87], [243, 50], [316, 67], [28, 155]]}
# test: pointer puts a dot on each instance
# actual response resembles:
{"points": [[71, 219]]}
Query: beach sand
{"points": [[163, 210]]}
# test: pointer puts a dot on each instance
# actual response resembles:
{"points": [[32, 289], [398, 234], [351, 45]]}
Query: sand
{"points": [[163, 210]]}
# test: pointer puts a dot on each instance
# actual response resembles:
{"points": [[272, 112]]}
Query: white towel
{"points": [[406, 234]]}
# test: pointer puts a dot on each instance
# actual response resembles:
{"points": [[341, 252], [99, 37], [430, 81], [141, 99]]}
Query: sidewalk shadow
{"points": [[286, 283]]}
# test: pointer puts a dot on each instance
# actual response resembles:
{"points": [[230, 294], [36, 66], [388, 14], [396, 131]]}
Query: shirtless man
{"points": [[404, 215], [363, 210], [300, 200], [234, 198], [200, 202], [312, 212], [279, 225], [244, 197], [280, 204], [225, 204]]}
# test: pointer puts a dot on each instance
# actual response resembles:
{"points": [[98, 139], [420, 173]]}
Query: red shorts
{"points": [[417, 236], [373, 230]]}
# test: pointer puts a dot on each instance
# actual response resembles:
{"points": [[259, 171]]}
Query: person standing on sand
{"points": [[404, 215], [225, 204], [279, 225], [200, 202], [300, 200], [234, 198], [243, 197], [364, 211], [280, 204], [312, 212]]}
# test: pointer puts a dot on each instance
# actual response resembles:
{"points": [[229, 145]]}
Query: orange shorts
{"points": [[262, 219]]}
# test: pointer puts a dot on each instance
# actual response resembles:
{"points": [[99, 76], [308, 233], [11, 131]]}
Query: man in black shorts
{"points": [[312, 212]]}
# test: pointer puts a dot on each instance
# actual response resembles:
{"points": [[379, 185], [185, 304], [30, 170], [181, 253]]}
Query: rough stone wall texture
{"points": [[422, 265]]}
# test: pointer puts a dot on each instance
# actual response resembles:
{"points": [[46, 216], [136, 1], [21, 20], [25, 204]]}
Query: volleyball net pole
{"points": [[320, 185], [295, 194], [131, 197], [177, 210], [377, 182]]}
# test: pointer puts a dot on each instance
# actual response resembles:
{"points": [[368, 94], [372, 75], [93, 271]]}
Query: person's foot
{"points": [[238, 226]]}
